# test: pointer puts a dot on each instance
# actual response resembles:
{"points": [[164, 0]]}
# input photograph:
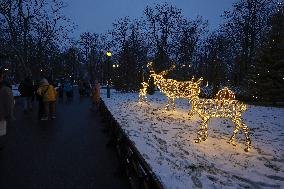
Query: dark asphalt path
{"points": [[68, 152]]}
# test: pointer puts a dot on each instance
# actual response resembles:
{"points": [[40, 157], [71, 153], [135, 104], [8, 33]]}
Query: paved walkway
{"points": [[69, 152]]}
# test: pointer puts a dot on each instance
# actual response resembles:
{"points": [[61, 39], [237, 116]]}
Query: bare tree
{"points": [[161, 23], [32, 25], [246, 25]]}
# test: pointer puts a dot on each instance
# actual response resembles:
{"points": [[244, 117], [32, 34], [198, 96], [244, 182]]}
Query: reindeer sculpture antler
{"points": [[165, 72], [172, 88]]}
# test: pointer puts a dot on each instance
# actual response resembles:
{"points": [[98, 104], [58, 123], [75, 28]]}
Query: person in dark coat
{"points": [[68, 89], [6, 108], [26, 89]]}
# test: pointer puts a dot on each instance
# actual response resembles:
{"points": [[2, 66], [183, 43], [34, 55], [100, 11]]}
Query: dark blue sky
{"points": [[98, 15]]}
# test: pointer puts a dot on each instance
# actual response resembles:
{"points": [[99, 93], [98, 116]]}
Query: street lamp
{"points": [[108, 54], [115, 65]]}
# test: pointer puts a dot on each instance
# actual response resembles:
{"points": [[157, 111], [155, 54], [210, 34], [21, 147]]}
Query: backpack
{"points": [[40, 97]]}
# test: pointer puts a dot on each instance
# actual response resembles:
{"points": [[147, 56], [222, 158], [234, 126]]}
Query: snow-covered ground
{"points": [[166, 141]]}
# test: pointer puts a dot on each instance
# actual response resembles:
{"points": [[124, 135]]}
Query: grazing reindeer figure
{"points": [[173, 88], [143, 92], [223, 106]]}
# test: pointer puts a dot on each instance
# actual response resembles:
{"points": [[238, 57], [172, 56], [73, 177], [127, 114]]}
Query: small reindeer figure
{"points": [[223, 106], [143, 92], [175, 89]]}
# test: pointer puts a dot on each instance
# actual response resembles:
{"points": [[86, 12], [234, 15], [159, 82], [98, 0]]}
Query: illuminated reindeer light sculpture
{"points": [[175, 89], [223, 106], [143, 92]]}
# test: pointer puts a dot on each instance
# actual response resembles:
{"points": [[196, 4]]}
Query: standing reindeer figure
{"points": [[223, 106], [175, 89], [143, 92]]}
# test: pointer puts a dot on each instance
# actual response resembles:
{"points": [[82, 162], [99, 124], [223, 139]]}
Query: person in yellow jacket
{"points": [[47, 95]]}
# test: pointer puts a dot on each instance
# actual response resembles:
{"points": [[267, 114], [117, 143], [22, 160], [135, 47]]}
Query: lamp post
{"points": [[108, 54]]}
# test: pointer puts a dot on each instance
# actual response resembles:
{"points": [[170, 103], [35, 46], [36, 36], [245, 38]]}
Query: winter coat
{"points": [[96, 94], [68, 87], [26, 88], [47, 92], [6, 103]]}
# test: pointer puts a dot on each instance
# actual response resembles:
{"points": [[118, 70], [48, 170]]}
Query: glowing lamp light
{"points": [[113, 66], [41, 70], [6, 69], [108, 53]]}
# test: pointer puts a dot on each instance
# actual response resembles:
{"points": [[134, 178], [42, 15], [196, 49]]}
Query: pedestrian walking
{"points": [[95, 96], [26, 89], [6, 108], [47, 96], [60, 91], [81, 88], [68, 89]]}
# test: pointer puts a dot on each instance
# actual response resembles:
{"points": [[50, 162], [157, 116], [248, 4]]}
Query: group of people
{"points": [[44, 92]]}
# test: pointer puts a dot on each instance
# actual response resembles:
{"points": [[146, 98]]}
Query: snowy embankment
{"points": [[166, 141]]}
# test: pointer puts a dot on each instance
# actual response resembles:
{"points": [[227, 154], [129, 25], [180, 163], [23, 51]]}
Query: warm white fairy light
{"points": [[223, 106], [143, 92], [207, 84], [175, 89]]}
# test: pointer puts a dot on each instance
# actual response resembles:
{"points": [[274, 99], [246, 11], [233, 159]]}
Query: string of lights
{"points": [[175, 89], [143, 92], [223, 106]]}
